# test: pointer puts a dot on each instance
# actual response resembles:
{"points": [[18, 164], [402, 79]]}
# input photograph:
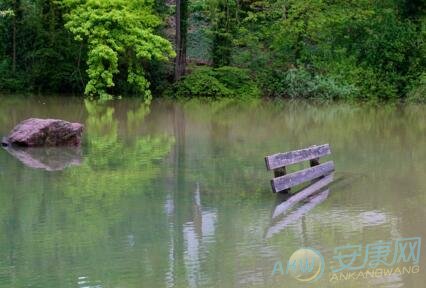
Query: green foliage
{"points": [[418, 91], [370, 49], [8, 80], [366, 49], [199, 40], [368, 46], [47, 57], [117, 31], [299, 83], [5, 13], [214, 83]]}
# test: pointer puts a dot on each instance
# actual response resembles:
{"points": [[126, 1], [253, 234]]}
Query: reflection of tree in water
{"points": [[112, 168], [107, 221], [79, 216]]}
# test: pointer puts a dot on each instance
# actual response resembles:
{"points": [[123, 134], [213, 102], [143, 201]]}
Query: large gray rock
{"points": [[45, 132]]}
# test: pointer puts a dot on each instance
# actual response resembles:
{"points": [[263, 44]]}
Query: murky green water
{"points": [[177, 195]]}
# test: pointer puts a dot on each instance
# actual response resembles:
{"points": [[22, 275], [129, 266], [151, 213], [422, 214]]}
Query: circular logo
{"points": [[306, 265]]}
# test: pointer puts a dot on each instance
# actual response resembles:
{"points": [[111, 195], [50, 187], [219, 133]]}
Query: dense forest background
{"points": [[327, 49]]}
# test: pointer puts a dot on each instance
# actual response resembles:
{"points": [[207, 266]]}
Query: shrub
{"points": [[299, 83], [10, 81], [417, 93], [206, 82]]}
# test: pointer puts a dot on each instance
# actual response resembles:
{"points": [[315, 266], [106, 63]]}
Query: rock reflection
{"points": [[47, 158]]}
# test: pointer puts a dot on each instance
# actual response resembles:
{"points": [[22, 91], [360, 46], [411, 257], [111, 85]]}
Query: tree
{"points": [[16, 6], [369, 45], [224, 24], [181, 37], [121, 39]]}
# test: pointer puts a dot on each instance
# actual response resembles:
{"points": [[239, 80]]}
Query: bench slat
{"points": [[283, 159], [287, 181]]}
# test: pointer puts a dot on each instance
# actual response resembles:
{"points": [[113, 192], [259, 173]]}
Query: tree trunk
{"points": [[16, 7], [181, 32], [14, 41]]}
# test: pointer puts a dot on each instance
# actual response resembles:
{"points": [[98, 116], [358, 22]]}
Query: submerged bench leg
{"points": [[314, 162], [281, 172]]}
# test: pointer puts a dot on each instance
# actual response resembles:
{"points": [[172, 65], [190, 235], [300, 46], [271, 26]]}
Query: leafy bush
{"points": [[220, 82], [299, 83], [370, 82], [10, 81], [418, 92]]}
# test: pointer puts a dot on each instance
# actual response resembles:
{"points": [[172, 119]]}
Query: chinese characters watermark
{"points": [[352, 262]]}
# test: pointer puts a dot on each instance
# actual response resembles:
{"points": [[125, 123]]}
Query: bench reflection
{"points": [[311, 196]]}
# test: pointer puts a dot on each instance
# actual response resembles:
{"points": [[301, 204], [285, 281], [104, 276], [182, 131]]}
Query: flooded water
{"points": [[177, 195]]}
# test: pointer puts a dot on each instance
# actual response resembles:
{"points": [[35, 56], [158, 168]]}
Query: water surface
{"points": [[177, 194]]}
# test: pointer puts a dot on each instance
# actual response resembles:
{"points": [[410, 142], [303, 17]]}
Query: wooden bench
{"points": [[278, 162]]}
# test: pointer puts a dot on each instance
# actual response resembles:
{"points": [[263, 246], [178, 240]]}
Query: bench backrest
{"points": [[278, 163]]}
